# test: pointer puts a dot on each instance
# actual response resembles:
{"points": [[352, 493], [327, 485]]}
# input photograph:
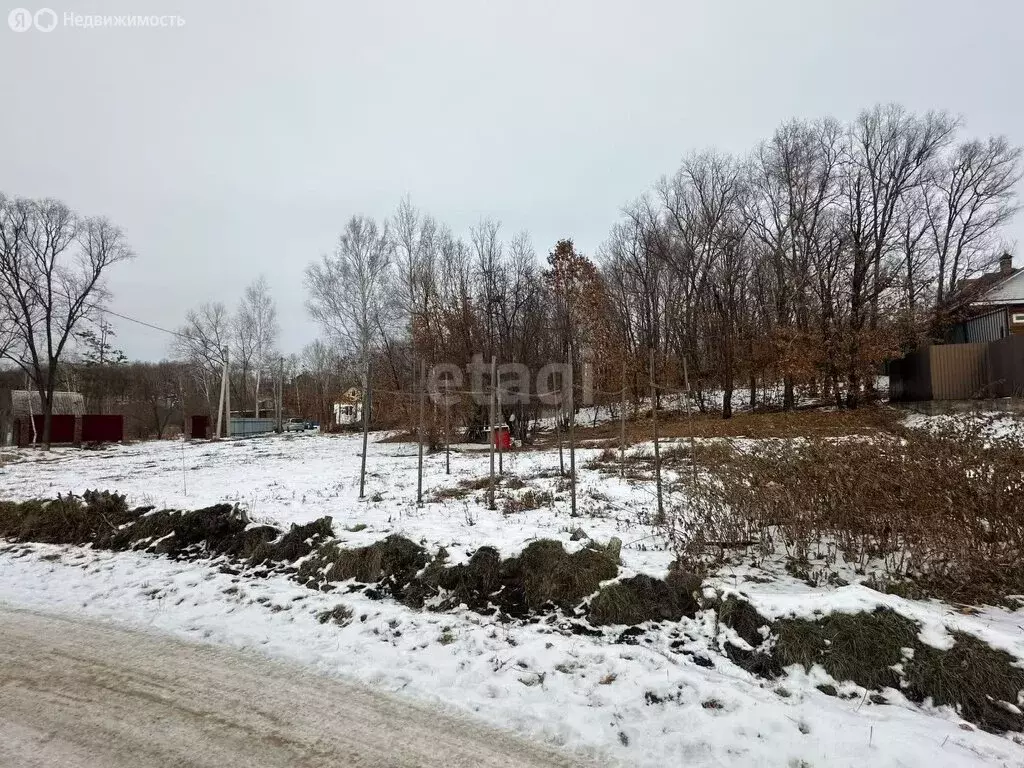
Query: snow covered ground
{"points": [[642, 704], [297, 478]]}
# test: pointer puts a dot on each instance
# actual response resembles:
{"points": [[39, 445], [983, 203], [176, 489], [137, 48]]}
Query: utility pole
{"points": [[220, 401], [280, 394], [494, 393], [227, 390], [419, 437]]}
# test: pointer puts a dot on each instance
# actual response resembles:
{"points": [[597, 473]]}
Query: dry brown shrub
{"points": [[809, 422], [943, 508]]}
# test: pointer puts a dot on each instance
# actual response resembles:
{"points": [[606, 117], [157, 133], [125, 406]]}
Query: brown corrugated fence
{"points": [[960, 372]]}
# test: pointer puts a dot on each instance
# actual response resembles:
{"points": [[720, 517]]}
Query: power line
{"points": [[140, 322]]}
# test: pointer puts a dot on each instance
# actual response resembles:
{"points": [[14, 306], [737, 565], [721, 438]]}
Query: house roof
{"points": [[24, 402], [996, 288]]}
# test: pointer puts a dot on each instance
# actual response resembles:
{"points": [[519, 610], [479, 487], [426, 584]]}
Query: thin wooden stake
{"points": [[558, 433], [657, 450], [622, 424], [366, 424], [501, 440], [689, 418], [419, 437], [572, 438], [280, 394], [447, 434], [184, 477], [494, 391]]}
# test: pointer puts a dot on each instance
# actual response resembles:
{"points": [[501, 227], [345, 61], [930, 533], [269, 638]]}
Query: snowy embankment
{"points": [[652, 702]]}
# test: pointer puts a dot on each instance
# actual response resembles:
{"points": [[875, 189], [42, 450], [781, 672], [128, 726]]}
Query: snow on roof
{"points": [[25, 402], [1008, 291]]}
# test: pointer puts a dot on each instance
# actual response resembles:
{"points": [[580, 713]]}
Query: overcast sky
{"points": [[239, 143]]}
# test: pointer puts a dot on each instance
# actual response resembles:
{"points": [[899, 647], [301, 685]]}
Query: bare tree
{"points": [[349, 295], [349, 292], [887, 155], [8, 330], [972, 195], [52, 264], [256, 332], [201, 342]]}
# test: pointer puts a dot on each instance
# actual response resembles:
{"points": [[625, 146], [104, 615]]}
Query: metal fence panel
{"points": [[988, 327], [910, 378], [1006, 367], [242, 427], [959, 371]]}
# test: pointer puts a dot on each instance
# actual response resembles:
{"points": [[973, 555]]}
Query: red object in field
{"points": [[102, 428], [62, 428], [199, 427], [502, 438]]}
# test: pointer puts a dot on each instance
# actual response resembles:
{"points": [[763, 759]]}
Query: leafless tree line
{"points": [[404, 295], [805, 263], [245, 340], [825, 251]]}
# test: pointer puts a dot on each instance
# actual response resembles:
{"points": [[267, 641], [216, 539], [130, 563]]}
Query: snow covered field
{"points": [[653, 703], [295, 478]]}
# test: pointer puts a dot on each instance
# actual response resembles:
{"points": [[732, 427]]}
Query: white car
{"points": [[295, 425]]}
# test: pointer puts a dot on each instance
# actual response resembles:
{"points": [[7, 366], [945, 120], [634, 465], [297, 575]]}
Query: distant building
{"points": [[21, 416], [992, 305], [349, 408], [982, 357]]}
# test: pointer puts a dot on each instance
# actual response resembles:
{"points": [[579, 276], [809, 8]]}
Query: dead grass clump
{"points": [[545, 573], [298, 542], [477, 484], [475, 583], [983, 684], [643, 598], [742, 617], [103, 520], [862, 647], [467, 487], [524, 502], [215, 530], [605, 457], [66, 519], [452, 493], [339, 614], [392, 562]]}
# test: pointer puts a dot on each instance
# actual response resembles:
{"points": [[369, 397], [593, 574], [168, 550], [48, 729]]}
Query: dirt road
{"points": [[76, 693]]}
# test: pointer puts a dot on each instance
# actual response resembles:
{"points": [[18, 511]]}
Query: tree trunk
{"points": [[788, 398], [47, 403]]}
